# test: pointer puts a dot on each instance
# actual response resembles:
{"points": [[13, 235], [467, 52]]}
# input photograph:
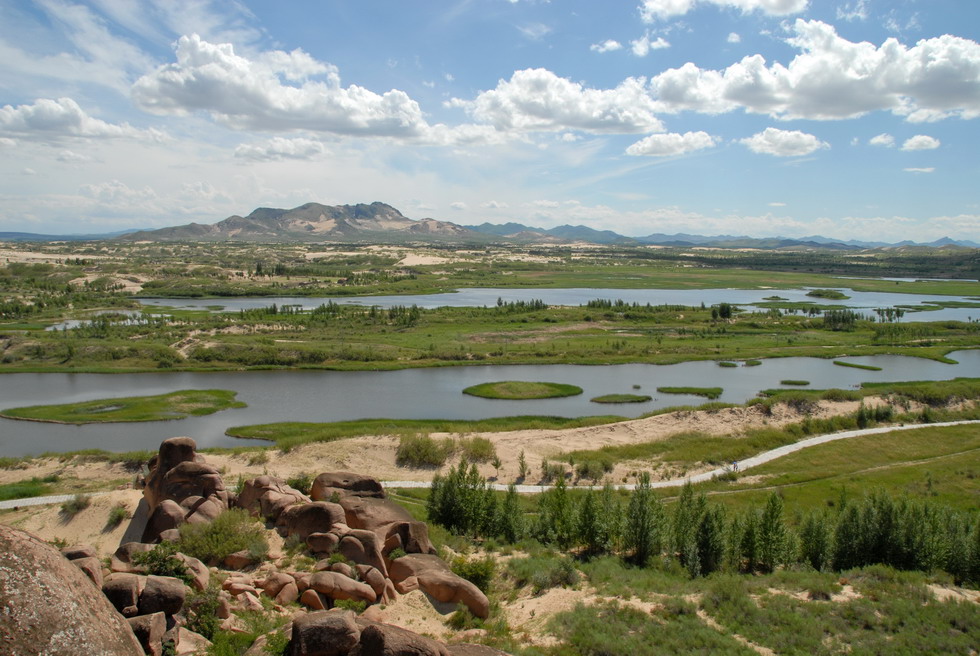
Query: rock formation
{"points": [[51, 607]]}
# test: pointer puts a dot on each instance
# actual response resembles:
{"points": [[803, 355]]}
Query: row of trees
{"points": [[704, 537]]}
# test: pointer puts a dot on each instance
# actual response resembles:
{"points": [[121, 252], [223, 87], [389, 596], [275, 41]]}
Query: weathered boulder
{"points": [[308, 518], [149, 631], [200, 574], [324, 633], [173, 452], [122, 559], [288, 594], [267, 497], [385, 518], [162, 594], [343, 484], [338, 586], [363, 548], [275, 582], [239, 560], [77, 551], [314, 600], [50, 607], [179, 475], [388, 640], [323, 543], [92, 567], [122, 589], [433, 576]]}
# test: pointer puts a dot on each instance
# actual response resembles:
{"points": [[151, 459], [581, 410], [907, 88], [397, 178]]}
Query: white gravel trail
{"points": [[748, 463]]}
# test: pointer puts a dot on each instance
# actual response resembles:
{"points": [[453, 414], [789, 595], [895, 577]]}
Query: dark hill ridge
{"points": [[381, 223], [309, 222]]}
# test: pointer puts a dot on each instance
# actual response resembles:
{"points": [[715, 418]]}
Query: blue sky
{"points": [[855, 119]]}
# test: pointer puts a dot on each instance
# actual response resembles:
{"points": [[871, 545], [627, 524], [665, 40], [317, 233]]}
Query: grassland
{"points": [[102, 277], [707, 392], [621, 398], [161, 407], [516, 390]]}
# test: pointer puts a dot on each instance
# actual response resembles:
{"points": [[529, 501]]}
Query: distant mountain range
{"points": [[380, 222]]}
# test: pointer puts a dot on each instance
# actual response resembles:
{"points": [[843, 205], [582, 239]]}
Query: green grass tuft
{"points": [[521, 390]]}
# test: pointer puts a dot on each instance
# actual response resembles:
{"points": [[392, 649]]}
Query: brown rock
{"points": [[166, 517], [313, 599], [122, 559], [384, 518], [123, 592], [364, 548], [325, 633], [236, 588], [267, 497], [149, 631], [275, 582], [200, 574], [338, 586], [162, 594], [323, 543], [373, 578], [340, 568], [239, 560], [433, 576], [388, 640], [77, 551], [49, 606], [454, 589], [191, 643], [92, 567], [345, 483], [288, 594], [305, 519]]}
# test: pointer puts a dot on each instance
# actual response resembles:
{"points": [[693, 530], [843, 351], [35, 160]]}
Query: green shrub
{"points": [[117, 516], [594, 469], [302, 482], [231, 531], [201, 611], [543, 572], [75, 505], [477, 449], [356, 605], [478, 571], [423, 451], [463, 619], [163, 561]]}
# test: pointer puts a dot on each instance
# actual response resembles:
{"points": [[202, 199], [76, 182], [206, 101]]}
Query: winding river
{"points": [[414, 393]]}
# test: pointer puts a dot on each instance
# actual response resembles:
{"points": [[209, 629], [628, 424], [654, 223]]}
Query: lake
{"points": [[864, 302], [412, 393]]}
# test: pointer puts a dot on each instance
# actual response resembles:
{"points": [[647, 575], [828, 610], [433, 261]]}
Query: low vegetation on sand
{"points": [[707, 392], [175, 405], [621, 398], [521, 390]]}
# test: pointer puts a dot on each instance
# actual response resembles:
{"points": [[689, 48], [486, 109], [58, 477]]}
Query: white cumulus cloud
{"points": [[609, 45], [884, 140], [279, 148], [652, 10], [642, 46], [926, 169], [833, 78], [733, 37], [538, 100], [783, 143], [921, 142], [275, 91], [53, 119], [664, 145]]}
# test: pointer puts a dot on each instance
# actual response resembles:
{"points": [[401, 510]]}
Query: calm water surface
{"points": [[412, 393], [482, 296]]}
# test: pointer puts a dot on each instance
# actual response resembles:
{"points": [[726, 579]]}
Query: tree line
{"points": [[704, 537]]}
